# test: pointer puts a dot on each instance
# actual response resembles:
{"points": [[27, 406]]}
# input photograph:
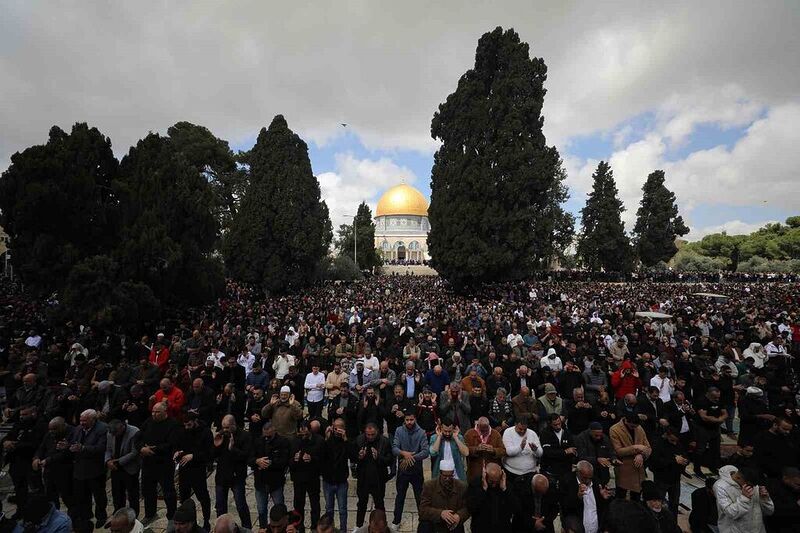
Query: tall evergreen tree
{"points": [[170, 228], [213, 158], [368, 257], [282, 230], [493, 173], [57, 205], [658, 223], [554, 227], [603, 243]]}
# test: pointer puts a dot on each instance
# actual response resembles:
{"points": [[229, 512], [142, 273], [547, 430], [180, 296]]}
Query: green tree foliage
{"points": [[554, 227], [494, 173], [773, 248], [368, 257], [282, 230], [339, 268], [213, 158], [58, 204], [603, 243], [658, 223], [688, 261], [94, 295], [170, 228]]}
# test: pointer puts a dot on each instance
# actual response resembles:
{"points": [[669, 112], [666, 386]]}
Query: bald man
{"points": [[490, 502], [540, 509], [232, 447], [88, 446], [584, 502], [485, 446]]}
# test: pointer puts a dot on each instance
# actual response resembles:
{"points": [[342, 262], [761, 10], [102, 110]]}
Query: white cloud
{"points": [[734, 227], [758, 170], [381, 66], [356, 180]]}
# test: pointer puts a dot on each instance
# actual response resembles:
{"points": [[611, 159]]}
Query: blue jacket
{"points": [[437, 383], [54, 522], [415, 441]]}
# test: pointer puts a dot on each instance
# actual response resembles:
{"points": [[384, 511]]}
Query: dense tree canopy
{"points": [[603, 243], [58, 205], [368, 257], [169, 225], [213, 158], [494, 175], [773, 248], [282, 230], [658, 223]]}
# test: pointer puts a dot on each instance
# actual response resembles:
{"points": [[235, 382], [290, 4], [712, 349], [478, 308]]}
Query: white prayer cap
{"points": [[446, 465], [285, 389]]}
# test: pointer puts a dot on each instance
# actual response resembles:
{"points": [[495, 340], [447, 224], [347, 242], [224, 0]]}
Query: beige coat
{"points": [[628, 477]]}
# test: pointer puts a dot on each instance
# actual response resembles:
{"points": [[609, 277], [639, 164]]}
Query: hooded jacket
{"points": [[757, 352], [738, 514], [625, 384], [414, 441]]}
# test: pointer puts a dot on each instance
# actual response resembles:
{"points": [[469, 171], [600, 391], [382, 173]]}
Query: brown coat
{"points": [[478, 459], [284, 417], [627, 475], [434, 500]]}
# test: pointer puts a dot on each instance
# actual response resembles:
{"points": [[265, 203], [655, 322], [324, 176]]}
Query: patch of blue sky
{"points": [[705, 137], [600, 145]]}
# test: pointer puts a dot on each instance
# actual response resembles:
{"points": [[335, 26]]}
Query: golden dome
{"points": [[402, 200]]}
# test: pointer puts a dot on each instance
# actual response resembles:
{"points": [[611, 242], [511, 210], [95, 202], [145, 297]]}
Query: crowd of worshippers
{"points": [[534, 404]]}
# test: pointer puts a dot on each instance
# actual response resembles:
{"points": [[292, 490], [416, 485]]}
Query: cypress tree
{"points": [[554, 227], [170, 228], [366, 253], [603, 243], [493, 172], [58, 205], [658, 223], [282, 230]]}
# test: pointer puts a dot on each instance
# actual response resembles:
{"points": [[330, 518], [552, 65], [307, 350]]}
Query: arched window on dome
{"points": [[400, 250], [413, 251]]}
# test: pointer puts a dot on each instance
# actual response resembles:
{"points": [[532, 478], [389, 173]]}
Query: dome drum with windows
{"points": [[401, 225]]}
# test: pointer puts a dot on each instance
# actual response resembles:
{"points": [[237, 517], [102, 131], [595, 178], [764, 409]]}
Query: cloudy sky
{"points": [[707, 91]]}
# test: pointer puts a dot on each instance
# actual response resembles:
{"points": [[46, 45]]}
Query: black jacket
{"points": [[199, 442], [203, 402], [162, 437], [28, 436], [491, 509], [298, 468], [704, 511], [653, 414], [89, 463], [277, 451], [335, 454], [370, 470], [674, 416], [232, 463], [572, 506], [787, 511], [349, 414], [555, 462], [59, 462], [662, 461]]}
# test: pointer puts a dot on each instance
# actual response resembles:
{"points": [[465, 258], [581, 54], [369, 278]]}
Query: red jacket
{"points": [[175, 400], [159, 355], [625, 384]]}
